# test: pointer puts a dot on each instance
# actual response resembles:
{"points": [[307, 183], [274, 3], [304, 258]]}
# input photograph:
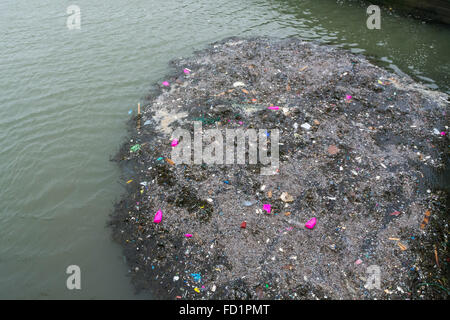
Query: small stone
{"points": [[238, 84], [269, 194]]}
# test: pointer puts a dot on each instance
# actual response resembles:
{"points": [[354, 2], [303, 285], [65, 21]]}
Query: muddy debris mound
{"points": [[362, 150]]}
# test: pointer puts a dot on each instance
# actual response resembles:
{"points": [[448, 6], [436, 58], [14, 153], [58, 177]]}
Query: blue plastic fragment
{"points": [[197, 277]]}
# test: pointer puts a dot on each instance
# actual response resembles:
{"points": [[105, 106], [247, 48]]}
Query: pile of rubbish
{"points": [[356, 208]]}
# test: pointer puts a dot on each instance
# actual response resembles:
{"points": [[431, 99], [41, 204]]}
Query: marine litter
{"points": [[360, 165]]}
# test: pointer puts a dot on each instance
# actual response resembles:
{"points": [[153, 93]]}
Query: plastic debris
{"points": [[306, 126], [158, 217], [129, 181], [174, 143], [130, 111], [197, 277], [135, 148], [170, 161], [359, 261], [247, 203], [146, 123], [311, 223], [238, 84], [332, 150], [333, 169], [348, 97], [443, 133], [274, 108], [166, 83], [436, 256], [187, 71], [286, 197], [425, 220], [197, 290], [267, 207]]}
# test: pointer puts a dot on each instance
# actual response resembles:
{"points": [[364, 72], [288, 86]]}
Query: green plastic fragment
{"points": [[135, 148]]}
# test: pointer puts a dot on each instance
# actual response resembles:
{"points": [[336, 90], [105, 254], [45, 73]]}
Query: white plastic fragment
{"points": [[238, 84], [306, 126]]}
